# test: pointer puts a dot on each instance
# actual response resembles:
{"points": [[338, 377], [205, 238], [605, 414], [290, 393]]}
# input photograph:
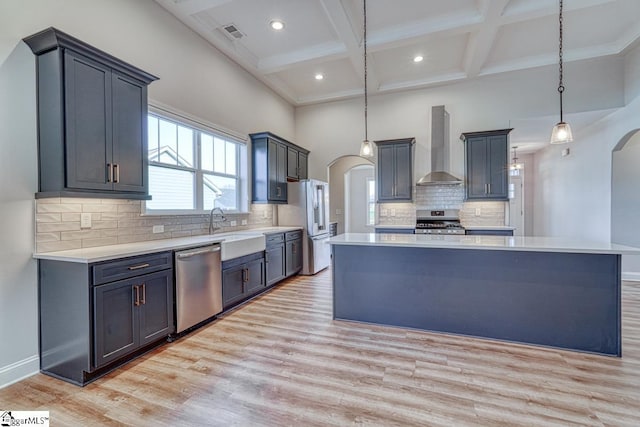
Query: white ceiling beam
{"points": [[318, 53], [481, 42], [536, 11], [192, 7]]}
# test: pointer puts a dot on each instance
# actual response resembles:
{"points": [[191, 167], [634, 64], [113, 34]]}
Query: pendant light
{"points": [[366, 148], [514, 161], [561, 132]]}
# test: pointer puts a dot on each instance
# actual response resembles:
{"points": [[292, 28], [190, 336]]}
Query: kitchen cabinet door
{"points": [[293, 257], [116, 324], [275, 264], [254, 276], [477, 162], [277, 156], [156, 306], [233, 285], [498, 170], [386, 173], [88, 118], [129, 134], [303, 165]]}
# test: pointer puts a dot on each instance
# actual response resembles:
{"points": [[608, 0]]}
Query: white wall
{"points": [[336, 178], [573, 194], [355, 182], [18, 175], [334, 129], [632, 74], [194, 78], [625, 200]]}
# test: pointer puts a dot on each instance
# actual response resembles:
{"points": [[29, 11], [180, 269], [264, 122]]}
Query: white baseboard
{"points": [[19, 370], [631, 276]]}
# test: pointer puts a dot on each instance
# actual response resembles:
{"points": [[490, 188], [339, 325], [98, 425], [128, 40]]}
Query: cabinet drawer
{"points": [[293, 235], [111, 271], [274, 239]]}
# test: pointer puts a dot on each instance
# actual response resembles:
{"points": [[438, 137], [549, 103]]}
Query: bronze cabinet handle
{"points": [[143, 300], [109, 172], [138, 267], [116, 169], [136, 301]]}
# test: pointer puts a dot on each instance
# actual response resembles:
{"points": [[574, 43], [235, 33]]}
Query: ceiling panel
{"points": [[340, 77], [441, 56], [306, 24], [382, 14]]}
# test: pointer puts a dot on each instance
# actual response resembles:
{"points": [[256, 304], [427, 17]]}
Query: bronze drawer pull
{"points": [[138, 267]]}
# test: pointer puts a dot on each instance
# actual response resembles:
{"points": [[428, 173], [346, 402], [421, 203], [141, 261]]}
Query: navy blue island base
{"points": [[564, 300]]}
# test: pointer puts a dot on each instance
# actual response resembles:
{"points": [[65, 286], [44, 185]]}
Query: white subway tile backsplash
{"points": [[47, 227], [47, 237], [103, 241], [442, 197], [58, 246], [70, 217], [55, 208], [99, 207], [120, 221], [50, 217]]}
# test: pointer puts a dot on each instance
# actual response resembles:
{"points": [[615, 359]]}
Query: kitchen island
{"points": [[535, 290]]}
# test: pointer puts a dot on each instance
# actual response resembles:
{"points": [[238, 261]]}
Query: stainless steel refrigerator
{"points": [[308, 207]]}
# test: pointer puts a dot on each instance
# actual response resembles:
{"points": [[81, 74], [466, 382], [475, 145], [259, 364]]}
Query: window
{"points": [[193, 169], [371, 202]]}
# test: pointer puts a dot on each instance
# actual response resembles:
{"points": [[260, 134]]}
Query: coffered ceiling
{"points": [[458, 39]]}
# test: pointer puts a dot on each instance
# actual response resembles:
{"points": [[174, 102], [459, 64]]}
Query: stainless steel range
{"points": [[438, 222]]}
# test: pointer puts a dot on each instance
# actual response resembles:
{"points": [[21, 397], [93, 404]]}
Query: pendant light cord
{"points": [[560, 85], [366, 133]]}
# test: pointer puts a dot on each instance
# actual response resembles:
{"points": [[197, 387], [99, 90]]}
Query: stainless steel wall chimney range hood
{"points": [[439, 174]]}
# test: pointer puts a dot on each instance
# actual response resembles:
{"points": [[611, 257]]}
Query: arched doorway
{"points": [[336, 173], [625, 199]]}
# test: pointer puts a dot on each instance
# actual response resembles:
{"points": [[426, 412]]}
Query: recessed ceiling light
{"points": [[319, 76], [277, 25], [418, 58]]}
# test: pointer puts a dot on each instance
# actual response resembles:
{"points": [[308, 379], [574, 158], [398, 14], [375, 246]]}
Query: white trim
{"points": [[201, 124], [631, 276], [19, 370]]}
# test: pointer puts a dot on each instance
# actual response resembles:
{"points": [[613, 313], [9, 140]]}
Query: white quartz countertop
{"points": [[488, 227], [105, 253], [527, 243], [395, 226]]}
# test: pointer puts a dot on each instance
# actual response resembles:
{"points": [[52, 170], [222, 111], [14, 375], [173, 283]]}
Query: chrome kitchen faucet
{"points": [[216, 216]]}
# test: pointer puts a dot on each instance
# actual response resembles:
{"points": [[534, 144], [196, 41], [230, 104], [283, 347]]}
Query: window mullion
{"points": [[199, 178]]}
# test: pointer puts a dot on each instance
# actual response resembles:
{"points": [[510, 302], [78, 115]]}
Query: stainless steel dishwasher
{"points": [[198, 285]]}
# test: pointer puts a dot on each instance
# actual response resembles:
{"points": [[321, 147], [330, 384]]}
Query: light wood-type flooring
{"points": [[281, 360]]}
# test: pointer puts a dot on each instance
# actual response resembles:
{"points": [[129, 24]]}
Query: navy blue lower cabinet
{"points": [[564, 300], [496, 232], [384, 230], [242, 278], [113, 311]]}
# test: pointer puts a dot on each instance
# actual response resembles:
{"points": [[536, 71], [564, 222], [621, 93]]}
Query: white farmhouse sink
{"points": [[236, 245]]}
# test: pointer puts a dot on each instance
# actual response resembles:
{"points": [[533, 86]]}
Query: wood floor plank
{"points": [[282, 360]]}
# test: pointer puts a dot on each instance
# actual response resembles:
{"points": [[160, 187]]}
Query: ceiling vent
{"points": [[232, 32]]}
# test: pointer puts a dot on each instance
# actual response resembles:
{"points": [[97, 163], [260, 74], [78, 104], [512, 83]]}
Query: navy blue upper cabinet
{"points": [[395, 170], [92, 114], [487, 164], [275, 161]]}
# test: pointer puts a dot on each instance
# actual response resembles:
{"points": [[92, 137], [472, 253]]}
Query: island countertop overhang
{"points": [[499, 243]]}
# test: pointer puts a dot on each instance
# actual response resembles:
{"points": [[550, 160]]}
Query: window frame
{"points": [[370, 201], [199, 128]]}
